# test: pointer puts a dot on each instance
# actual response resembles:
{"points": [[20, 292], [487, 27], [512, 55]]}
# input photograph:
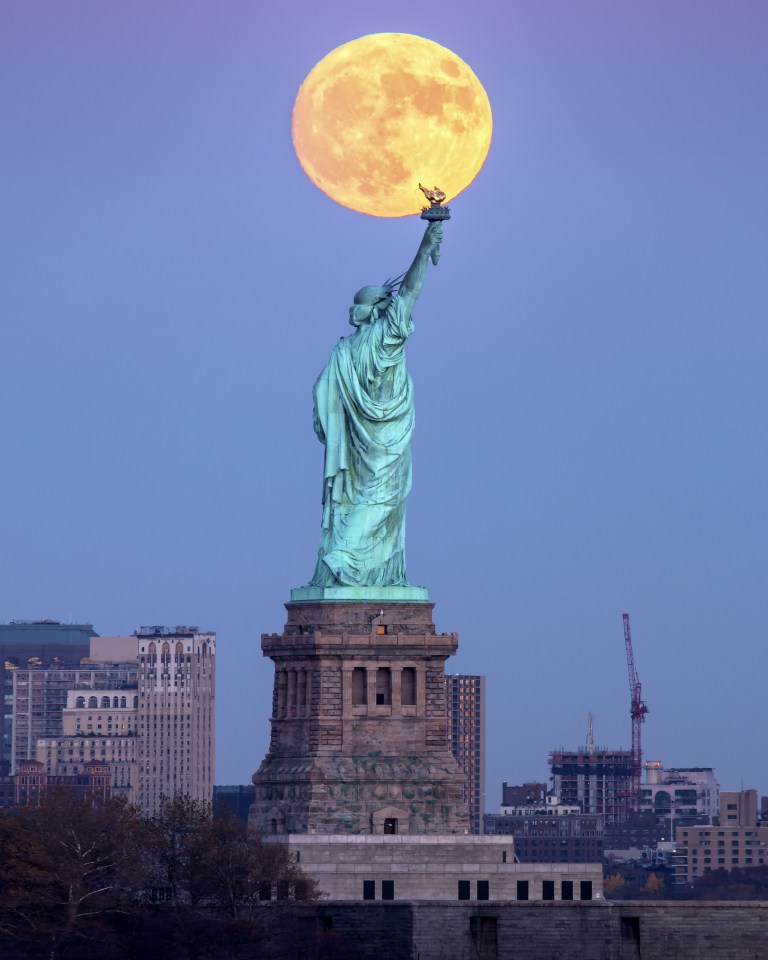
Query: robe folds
{"points": [[363, 413]]}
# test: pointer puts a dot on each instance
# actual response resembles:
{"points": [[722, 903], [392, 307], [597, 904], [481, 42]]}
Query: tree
{"points": [[84, 881], [614, 885], [215, 886], [741, 883], [66, 868], [654, 886]]}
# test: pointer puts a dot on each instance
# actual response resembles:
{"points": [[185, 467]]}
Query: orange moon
{"points": [[383, 113]]}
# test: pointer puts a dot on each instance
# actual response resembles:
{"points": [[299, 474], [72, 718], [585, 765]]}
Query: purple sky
{"points": [[589, 359]]}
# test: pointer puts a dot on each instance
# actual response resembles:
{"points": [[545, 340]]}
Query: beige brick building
{"points": [[155, 731], [735, 842], [176, 714], [97, 725]]}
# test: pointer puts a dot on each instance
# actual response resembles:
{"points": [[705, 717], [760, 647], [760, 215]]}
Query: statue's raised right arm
{"points": [[429, 248]]}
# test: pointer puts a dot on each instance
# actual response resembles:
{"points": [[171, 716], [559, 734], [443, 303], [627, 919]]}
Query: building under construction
{"points": [[596, 779]]}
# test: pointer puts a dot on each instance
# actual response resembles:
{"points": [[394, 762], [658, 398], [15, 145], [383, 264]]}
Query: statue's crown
{"points": [[372, 293]]}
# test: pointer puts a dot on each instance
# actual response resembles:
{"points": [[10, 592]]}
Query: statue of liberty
{"points": [[363, 413]]}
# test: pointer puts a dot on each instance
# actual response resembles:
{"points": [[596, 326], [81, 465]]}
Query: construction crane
{"points": [[637, 710]]}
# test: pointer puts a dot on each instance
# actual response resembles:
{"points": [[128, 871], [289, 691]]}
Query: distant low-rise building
{"points": [[735, 840], [679, 796], [31, 782], [549, 832], [523, 795], [548, 839], [632, 835]]}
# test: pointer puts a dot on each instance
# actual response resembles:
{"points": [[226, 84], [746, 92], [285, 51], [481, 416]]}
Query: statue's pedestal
{"points": [[359, 732]]}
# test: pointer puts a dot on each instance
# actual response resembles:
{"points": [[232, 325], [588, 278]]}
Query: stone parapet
{"points": [[535, 930]]}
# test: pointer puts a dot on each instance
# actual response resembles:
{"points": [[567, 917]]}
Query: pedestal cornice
{"points": [[406, 594]]}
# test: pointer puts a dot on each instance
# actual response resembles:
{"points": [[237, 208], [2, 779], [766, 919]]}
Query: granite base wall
{"points": [[528, 931]]}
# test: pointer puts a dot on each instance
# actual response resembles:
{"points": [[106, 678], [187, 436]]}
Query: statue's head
{"points": [[368, 302]]}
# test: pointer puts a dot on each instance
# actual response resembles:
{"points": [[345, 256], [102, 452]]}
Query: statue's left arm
{"points": [[429, 248]]}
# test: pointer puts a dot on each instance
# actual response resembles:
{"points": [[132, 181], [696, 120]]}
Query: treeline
{"points": [[80, 881], [630, 882]]}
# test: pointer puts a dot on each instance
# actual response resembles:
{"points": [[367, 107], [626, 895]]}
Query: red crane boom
{"points": [[638, 710]]}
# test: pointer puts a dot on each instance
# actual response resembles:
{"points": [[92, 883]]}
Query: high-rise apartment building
{"points": [[465, 705], [28, 644], [596, 779], [176, 715]]}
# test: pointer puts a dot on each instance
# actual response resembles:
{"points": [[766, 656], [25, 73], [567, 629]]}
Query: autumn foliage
{"points": [[80, 881]]}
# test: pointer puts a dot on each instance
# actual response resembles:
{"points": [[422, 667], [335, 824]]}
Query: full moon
{"points": [[381, 114]]}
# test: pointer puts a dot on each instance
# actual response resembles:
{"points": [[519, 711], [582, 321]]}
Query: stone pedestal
{"points": [[359, 739]]}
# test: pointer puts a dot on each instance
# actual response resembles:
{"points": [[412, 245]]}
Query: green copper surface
{"points": [[363, 414], [360, 594]]}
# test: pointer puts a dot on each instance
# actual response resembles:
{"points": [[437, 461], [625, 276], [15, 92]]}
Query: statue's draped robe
{"points": [[364, 415]]}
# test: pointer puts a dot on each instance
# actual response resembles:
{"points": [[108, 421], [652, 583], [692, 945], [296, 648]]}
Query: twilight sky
{"points": [[589, 358]]}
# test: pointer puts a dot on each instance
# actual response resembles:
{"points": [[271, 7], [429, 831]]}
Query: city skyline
{"points": [[588, 358]]}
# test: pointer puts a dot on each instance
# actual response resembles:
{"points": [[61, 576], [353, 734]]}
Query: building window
{"points": [[483, 890], [566, 890], [369, 889], [522, 889], [408, 687], [464, 892], [390, 825], [585, 890], [387, 889], [548, 890], [383, 686], [359, 687]]}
